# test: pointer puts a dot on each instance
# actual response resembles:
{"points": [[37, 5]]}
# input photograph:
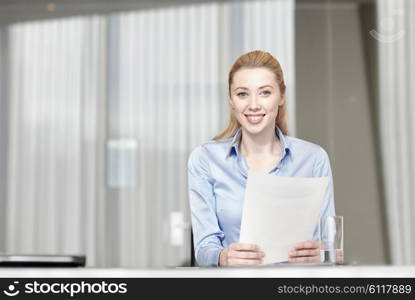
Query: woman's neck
{"points": [[266, 143]]}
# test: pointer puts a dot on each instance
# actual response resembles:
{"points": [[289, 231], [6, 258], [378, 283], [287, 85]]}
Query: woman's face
{"points": [[255, 99]]}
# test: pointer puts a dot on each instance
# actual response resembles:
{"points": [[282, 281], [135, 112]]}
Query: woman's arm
{"points": [[322, 168], [206, 232], [309, 251]]}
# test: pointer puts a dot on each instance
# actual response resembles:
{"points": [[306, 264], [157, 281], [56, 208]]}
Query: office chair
{"points": [[192, 250]]}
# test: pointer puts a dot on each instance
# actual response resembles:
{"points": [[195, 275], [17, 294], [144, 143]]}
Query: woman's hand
{"points": [[240, 254], [308, 251]]}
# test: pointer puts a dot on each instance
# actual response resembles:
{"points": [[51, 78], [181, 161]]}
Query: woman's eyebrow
{"points": [[240, 87], [261, 87], [264, 86]]}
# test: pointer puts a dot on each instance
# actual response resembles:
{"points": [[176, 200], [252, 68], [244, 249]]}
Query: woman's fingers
{"points": [[243, 262], [242, 254], [307, 245], [307, 252], [246, 254], [304, 259], [243, 247]]}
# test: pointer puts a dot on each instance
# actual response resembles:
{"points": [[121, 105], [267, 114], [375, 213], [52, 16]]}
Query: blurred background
{"points": [[102, 101]]}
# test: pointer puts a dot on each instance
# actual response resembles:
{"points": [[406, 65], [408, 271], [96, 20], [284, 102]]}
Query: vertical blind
{"points": [[3, 134], [396, 40], [55, 161], [104, 111]]}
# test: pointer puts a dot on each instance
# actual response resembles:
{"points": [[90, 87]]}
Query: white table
{"points": [[262, 272]]}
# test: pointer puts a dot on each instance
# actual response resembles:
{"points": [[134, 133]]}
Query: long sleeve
{"points": [[206, 232], [322, 169]]}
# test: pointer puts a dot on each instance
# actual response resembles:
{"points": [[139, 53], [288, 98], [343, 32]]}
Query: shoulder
{"points": [[312, 155], [306, 149], [211, 150]]}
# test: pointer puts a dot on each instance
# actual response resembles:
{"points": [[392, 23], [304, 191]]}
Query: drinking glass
{"points": [[331, 238]]}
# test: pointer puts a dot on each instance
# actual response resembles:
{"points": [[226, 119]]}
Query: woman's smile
{"points": [[254, 118]]}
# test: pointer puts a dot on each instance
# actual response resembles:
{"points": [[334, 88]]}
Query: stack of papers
{"points": [[280, 211]]}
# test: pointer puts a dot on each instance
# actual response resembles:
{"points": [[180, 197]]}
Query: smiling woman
{"points": [[255, 138], [268, 70]]}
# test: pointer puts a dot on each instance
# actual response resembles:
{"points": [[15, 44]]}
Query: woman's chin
{"points": [[253, 128]]}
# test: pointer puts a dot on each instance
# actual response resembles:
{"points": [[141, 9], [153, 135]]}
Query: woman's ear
{"points": [[282, 100], [232, 106]]}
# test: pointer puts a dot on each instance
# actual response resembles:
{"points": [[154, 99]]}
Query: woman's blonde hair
{"points": [[256, 59]]}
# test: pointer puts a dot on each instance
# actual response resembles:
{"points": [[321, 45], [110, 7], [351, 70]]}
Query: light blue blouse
{"points": [[217, 175]]}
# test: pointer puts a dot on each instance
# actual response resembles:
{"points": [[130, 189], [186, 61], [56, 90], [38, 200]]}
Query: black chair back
{"points": [[192, 250]]}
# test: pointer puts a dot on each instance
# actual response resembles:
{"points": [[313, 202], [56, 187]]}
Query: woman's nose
{"points": [[253, 104]]}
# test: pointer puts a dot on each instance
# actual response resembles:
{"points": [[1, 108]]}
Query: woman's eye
{"points": [[266, 93], [241, 94]]}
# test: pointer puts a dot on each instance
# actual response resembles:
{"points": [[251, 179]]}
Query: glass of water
{"points": [[331, 238]]}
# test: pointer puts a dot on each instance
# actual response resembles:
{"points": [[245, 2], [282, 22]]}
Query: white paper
{"points": [[280, 212]]}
